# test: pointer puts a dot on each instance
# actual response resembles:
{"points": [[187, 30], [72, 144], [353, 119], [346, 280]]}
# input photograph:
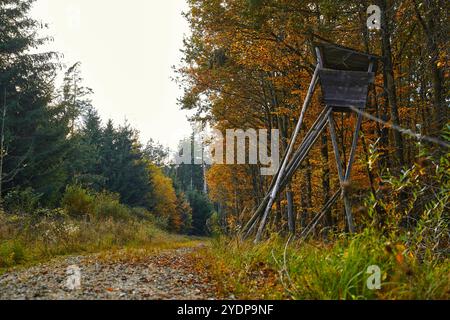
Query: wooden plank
{"points": [[294, 166], [345, 88], [310, 140], [317, 124], [275, 190], [311, 137], [342, 58]]}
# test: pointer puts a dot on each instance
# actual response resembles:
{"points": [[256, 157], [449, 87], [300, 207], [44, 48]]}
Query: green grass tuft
{"points": [[337, 271]]}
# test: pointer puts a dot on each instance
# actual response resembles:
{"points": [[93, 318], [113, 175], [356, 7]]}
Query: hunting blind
{"points": [[344, 75]]}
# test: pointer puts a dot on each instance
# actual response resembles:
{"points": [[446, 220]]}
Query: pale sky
{"points": [[127, 50]]}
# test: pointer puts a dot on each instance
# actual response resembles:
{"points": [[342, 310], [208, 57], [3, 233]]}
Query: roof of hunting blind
{"points": [[342, 58]]}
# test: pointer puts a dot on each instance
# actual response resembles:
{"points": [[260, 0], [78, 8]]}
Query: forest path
{"points": [[119, 275]]}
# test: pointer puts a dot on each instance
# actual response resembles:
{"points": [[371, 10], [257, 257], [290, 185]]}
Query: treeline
{"points": [[55, 151], [248, 64]]}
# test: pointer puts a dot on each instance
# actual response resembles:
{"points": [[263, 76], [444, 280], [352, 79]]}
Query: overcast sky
{"points": [[127, 50]]}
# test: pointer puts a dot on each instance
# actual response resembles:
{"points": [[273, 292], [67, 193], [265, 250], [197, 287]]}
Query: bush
{"points": [[11, 253], [54, 233], [107, 224], [26, 239], [141, 213], [107, 205], [77, 201], [163, 196], [57, 213], [213, 225], [161, 222], [21, 201], [184, 212]]}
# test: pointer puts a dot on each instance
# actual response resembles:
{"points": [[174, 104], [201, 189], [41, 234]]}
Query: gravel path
{"points": [[115, 276]]}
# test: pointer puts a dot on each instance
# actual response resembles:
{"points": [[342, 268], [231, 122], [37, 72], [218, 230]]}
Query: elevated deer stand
{"points": [[344, 75]]}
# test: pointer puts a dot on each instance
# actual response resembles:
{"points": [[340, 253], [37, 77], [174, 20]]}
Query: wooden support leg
{"points": [[350, 167], [276, 188], [347, 203], [310, 139], [348, 173]]}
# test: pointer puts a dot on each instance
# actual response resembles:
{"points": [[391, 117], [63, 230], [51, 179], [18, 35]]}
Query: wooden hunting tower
{"points": [[344, 75]]}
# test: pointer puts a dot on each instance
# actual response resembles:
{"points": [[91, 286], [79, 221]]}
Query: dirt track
{"points": [[118, 276]]}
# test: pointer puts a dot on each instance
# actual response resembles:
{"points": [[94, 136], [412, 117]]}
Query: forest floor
{"points": [[127, 274], [174, 268]]}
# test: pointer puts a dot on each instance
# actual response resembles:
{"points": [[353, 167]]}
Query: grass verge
{"points": [[314, 270], [25, 242]]}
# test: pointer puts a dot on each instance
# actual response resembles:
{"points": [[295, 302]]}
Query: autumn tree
{"points": [[248, 64]]}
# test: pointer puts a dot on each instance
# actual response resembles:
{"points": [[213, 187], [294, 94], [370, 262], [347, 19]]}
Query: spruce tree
{"points": [[34, 131]]}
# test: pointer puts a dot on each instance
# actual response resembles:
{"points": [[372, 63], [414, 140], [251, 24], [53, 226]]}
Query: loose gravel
{"points": [[168, 275]]}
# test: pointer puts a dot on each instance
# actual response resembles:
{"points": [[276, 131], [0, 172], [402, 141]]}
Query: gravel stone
{"points": [[168, 275]]}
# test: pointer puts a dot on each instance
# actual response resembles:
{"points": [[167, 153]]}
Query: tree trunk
{"points": [[389, 81], [2, 146], [306, 194], [431, 28]]}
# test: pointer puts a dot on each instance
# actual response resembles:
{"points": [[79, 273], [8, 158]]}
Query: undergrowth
{"points": [[24, 241], [314, 270]]}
